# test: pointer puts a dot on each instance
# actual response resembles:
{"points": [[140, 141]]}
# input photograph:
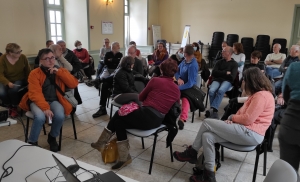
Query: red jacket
{"points": [[36, 80], [83, 55]]}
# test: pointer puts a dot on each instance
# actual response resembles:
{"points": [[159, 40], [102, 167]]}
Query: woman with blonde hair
{"points": [[14, 71]]}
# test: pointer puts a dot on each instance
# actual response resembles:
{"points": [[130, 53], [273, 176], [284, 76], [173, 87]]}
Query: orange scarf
{"points": [[160, 55]]}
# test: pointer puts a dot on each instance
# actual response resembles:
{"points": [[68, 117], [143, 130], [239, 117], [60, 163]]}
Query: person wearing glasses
{"points": [[44, 100], [106, 48], [223, 76], [14, 71]]}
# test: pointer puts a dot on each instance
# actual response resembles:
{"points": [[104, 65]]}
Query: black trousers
{"points": [[142, 118], [104, 94], [289, 134]]}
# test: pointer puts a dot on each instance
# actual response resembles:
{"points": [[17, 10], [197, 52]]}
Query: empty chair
{"points": [[232, 38], [281, 171]]}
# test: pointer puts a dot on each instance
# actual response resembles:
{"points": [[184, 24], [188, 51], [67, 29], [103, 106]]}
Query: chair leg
{"points": [[222, 153], [111, 108], [27, 129], [152, 155], [193, 117], [256, 164], [143, 142], [107, 102], [206, 98], [60, 136], [171, 152], [265, 159], [44, 129], [74, 127], [199, 112]]}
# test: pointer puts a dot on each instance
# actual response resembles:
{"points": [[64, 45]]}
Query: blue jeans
{"points": [[272, 72], [40, 119], [278, 86], [11, 96], [216, 92]]}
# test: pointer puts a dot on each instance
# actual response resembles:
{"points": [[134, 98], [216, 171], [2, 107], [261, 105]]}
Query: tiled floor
{"points": [[236, 167]]}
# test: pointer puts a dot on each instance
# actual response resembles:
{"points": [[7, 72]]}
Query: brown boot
{"points": [[103, 139], [124, 156]]}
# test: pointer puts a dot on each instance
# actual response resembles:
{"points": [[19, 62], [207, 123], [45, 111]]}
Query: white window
{"points": [[126, 23], [54, 20]]}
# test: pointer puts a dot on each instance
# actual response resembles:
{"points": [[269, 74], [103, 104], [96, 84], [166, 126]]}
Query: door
{"points": [[296, 27]]}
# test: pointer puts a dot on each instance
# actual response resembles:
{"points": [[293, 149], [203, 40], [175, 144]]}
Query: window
{"points": [[54, 20], [126, 23]]}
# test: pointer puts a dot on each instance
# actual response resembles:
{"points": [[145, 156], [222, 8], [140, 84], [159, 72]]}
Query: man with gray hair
{"points": [[293, 57], [223, 75], [70, 56], [273, 61], [111, 60]]}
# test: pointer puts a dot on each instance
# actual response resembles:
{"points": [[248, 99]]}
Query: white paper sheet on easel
{"points": [[185, 35]]}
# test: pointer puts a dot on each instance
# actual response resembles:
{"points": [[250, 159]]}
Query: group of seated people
{"points": [[175, 74], [37, 90]]}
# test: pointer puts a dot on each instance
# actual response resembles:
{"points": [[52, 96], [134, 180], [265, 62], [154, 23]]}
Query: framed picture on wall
{"points": [[107, 27]]}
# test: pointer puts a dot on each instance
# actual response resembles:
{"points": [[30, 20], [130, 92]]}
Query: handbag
{"points": [[110, 153], [68, 95], [128, 108]]}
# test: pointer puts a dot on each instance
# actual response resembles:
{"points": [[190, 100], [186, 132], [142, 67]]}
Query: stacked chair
{"points": [[232, 38], [282, 42], [216, 46], [263, 45], [247, 43]]}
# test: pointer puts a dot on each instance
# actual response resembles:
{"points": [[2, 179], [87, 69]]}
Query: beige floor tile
{"points": [[10, 132], [234, 155], [271, 158], [87, 117], [246, 173], [139, 169], [136, 147], [94, 158], [74, 148], [181, 177], [90, 135], [162, 156], [183, 137], [68, 127], [193, 126]]}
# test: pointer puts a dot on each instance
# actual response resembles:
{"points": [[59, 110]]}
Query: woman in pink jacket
{"points": [[246, 127]]}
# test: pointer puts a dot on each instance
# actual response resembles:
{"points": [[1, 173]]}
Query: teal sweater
{"points": [[291, 82]]}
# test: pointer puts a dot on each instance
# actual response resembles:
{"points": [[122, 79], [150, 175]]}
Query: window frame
{"points": [[47, 8], [126, 15]]}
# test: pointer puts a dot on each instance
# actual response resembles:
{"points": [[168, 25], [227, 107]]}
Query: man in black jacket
{"points": [[70, 56], [108, 82], [223, 74]]}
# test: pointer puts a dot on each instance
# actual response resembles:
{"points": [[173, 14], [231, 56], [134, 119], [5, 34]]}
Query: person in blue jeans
{"points": [[223, 75], [44, 100], [293, 57]]}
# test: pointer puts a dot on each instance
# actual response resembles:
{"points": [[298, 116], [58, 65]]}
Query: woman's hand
{"points": [[53, 70], [48, 113], [10, 85], [180, 81], [280, 101], [228, 121]]}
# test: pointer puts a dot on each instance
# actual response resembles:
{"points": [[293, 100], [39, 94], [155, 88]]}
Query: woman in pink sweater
{"points": [[246, 127]]}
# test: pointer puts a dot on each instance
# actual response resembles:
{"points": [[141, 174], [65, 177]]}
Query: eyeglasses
{"points": [[18, 52], [48, 58]]}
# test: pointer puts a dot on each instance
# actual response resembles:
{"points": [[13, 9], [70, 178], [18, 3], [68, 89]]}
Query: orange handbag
{"points": [[110, 153]]}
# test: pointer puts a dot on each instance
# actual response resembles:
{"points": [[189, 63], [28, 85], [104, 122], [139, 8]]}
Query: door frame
{"points": [[294, 22]]}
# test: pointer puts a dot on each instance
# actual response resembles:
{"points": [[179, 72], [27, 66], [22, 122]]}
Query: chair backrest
{"points": [[281, 171], [139, 85]]}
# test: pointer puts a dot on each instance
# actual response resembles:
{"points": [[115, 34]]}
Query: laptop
{"points": [[70, 177]]}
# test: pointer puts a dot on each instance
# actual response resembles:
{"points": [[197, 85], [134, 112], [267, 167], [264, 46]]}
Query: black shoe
{"points": [[208, 113], [53, 144], [100, 112], [180, 124], [34, 143], [189, 155]]}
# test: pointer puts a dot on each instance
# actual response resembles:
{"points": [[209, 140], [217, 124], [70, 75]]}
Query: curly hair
{"points": [[256, 81], [169, 67], [126, 62]]}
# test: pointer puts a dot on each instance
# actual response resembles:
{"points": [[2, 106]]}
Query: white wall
{"points": [[247, 18], [76, 23], [139, 21], [22, 22]]}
